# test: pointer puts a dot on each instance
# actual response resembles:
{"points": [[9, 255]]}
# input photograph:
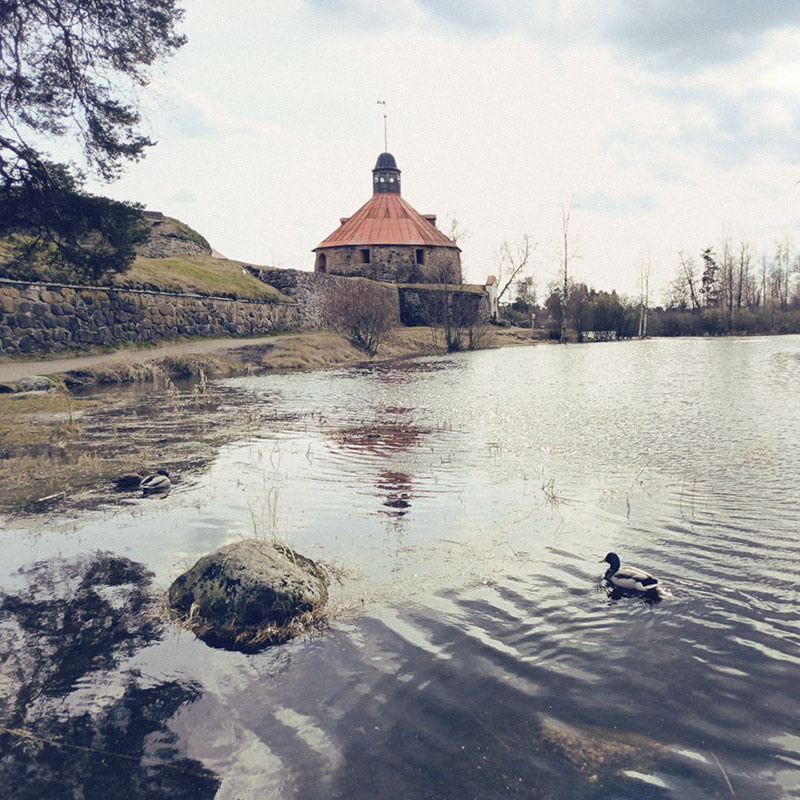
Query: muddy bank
{"points": [[138, 412]]}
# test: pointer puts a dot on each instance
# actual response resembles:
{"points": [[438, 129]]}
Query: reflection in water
{"points": [[383, 439], [380, 438], [70, 727], [494, 664], [398, 488]]}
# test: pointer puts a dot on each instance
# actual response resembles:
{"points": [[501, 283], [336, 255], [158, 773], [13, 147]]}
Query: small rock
{"points": [[34, 383], [249, 594], [47, 501]]}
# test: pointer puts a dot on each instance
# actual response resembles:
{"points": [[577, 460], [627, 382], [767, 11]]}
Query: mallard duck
{"points": [[132, 480], [157, 483], [629, 578]]}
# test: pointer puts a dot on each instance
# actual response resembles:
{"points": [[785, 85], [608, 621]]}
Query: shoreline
{"points": [[279, 351], [63, 442]]}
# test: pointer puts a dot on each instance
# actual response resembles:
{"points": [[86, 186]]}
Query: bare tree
{"points": [[566, 258], [744, 292], [645, 263], [363, 311], [728, 269], [455, 232], [781, 273], [511, 262], [688, 269]]}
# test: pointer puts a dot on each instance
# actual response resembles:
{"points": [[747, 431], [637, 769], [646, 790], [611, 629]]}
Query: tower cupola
{"points": [[386, 175]]}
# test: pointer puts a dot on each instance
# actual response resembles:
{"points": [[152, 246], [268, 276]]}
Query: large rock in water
{"points": [[249, 594]]}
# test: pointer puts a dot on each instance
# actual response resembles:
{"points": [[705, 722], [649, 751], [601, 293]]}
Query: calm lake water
{"points": [[464, 502]]}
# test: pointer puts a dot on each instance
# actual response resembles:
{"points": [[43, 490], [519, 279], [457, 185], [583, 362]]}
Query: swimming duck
{"points": [[157, 483], [629, 578]]}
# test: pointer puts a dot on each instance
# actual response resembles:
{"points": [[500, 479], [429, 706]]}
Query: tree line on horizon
{"points": [[722, 290]]}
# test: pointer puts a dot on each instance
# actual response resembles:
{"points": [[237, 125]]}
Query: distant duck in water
{"points": [[629, 579], [157, 483]]}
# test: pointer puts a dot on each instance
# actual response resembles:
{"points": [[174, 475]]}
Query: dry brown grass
{"points": [[38, 418], [256, 637], [199, 275], [323, 349], [46, 443]]}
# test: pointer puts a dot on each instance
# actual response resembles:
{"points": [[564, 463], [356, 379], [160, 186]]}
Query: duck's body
{"points": [[631, 579], [157, 483], [131, 481]]}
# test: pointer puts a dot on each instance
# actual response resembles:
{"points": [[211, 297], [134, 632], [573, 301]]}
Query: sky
{"points": [[668, 126]]}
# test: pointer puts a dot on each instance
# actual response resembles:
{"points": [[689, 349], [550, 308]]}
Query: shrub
{"points": [[363, 311]]}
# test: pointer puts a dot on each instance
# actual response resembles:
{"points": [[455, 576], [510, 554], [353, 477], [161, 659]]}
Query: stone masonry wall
{"points": [[416, 305], [428, 306], [310, 290], [50, 317], [396, 263]]}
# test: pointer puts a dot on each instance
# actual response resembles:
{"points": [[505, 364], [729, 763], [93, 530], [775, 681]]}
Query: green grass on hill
{"points": [[197, 275], [169, 226]]}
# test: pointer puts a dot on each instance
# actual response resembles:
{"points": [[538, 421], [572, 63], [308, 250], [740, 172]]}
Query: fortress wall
{"points": [[47, 317]]}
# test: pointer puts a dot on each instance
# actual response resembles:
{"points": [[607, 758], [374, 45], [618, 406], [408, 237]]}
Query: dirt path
{"points": [[14, 370]]}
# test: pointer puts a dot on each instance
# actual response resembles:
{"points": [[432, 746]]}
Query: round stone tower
{"points": [[386, 239]]}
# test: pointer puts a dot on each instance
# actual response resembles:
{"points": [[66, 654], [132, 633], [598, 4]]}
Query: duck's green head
{"points": [[612, 559]]}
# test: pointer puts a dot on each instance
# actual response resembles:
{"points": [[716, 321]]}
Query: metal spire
{"points": [[385, 134]]}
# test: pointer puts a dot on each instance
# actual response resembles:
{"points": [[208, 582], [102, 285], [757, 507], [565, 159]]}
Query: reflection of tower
{"points": [[398, 486]]}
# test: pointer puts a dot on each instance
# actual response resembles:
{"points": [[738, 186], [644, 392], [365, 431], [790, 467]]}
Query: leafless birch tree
{"points": [[566, 258], [645, 263], [512, 261]]}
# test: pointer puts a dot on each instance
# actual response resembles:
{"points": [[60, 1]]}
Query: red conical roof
{"points": [[387, 219]]}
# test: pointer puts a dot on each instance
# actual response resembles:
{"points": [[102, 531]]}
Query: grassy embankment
{"points": [[198, 274]]}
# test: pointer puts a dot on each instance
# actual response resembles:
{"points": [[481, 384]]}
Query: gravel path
{"points": [[14, 370]]}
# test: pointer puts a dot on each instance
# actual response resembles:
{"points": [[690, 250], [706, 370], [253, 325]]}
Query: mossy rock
{"points": [[593, 750], [249, 594]]}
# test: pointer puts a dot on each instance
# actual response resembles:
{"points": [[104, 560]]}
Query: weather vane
{"points": [[385, 134]]}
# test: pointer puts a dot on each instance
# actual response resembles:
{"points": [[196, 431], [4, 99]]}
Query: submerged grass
{"points": [[50, 443], [257, 637]]}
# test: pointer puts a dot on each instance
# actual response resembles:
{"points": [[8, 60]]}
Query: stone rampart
{"points": [[465, 305], [311, 290], [46, 317]]}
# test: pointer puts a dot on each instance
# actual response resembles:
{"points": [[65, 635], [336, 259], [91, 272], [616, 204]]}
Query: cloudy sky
{"points": [[670, 125]]}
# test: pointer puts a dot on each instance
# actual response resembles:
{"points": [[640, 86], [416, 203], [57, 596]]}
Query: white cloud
{"points": [[268, 129]]}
